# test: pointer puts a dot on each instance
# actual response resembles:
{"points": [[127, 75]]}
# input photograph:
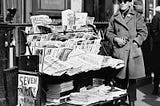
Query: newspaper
{"points": [[94, 95], [92, 59], [37, 20], [52, 66], [40, 20], [53, 61], [80, 19], [108, 61], [68, 18], [84, 61], [88, 46]]}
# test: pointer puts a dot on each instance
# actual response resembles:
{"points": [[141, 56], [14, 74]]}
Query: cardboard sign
{"points": [[27, 89]]}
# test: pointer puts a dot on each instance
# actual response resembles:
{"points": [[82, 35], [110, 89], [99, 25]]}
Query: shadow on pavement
{"points": [[146, 98]]}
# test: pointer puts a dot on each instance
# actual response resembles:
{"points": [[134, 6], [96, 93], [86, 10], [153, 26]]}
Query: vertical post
{"points": [[4, 10], [11, 56], [22, 18], [3, 100], [12, 5], [147, 11], [28, 10], [17, 43], [154, 6], [96, 9], [144, 2]]}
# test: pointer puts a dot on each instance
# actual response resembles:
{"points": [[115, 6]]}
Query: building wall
{"points": [[101, 9]]}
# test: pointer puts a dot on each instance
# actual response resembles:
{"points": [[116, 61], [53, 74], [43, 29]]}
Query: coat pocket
{"points": [[135, 51]]}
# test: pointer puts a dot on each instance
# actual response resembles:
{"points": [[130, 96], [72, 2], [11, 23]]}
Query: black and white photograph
{"points": [[79, 53]]}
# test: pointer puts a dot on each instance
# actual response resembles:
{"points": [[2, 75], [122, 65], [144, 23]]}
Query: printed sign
{"points": [[27, 89]]}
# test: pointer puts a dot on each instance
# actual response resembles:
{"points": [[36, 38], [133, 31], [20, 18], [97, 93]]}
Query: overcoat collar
{"points": [[129, 16]]}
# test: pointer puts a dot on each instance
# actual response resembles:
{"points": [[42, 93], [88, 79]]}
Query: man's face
{"points": [[124, 4]]}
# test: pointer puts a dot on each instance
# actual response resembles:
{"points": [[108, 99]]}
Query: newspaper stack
{"points": [[55, 90], [94, 95]]}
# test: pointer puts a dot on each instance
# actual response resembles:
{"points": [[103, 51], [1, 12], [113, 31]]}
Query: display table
{"points": [[112, 97], [14, 78], [84, 79], [68, 62], [114, 102]]}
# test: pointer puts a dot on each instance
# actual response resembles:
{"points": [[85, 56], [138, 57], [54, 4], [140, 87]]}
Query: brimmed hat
{"points": [[157, 8], [138, 2], [125, 0]]}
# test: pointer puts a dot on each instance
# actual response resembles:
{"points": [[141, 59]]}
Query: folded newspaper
{"points": [[37, 20], [108, 61], [94, 95], [55, 67], [58, 61]]}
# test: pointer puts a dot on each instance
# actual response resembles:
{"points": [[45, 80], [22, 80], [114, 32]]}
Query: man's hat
{"points": [[138, 2], [125, 0]]}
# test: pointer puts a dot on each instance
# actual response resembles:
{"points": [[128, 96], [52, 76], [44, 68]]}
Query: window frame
{"points": [[38, 9]]}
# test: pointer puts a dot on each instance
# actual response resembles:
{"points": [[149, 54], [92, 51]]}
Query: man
{"points": [[127, 31], [155, 34], [138, 6]]}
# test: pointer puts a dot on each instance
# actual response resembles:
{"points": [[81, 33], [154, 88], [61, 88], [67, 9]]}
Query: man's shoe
{"points": [[155, 92], [131, 103], [123, 104]]}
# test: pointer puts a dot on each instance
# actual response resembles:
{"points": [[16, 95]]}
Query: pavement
{"points": [[145, 97]]}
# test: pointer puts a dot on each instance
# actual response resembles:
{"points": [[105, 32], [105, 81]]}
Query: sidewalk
{"points": [[145, 97]]}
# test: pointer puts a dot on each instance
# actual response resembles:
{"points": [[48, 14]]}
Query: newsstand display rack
{"points": [[68, 63]]}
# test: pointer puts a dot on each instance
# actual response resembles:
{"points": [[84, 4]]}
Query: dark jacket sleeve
{"points": [[155, 29], [111, 31], [142, 31]]}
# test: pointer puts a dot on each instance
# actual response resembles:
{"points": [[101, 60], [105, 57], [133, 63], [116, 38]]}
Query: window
{"points": [[1, 11], [0, 7], [100, 9], [50, 7]]}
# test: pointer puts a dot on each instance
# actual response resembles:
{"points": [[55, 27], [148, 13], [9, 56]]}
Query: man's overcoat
{"points": [[155, 34], [133, 28]]}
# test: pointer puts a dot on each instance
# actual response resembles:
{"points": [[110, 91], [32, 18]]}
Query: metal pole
{"points": [[154, 6], [147, 11], [22, 18], [144, 1], [4, 10]]}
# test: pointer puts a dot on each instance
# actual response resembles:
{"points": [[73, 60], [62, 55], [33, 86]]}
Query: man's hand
{"points": [[120, 41], [135, 44]]}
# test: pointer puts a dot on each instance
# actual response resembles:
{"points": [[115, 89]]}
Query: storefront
{"points": [[100, 9]]}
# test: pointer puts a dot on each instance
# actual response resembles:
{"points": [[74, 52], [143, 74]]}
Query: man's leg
{"points": [[132, 91], [156, 84], [122, 83]]}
